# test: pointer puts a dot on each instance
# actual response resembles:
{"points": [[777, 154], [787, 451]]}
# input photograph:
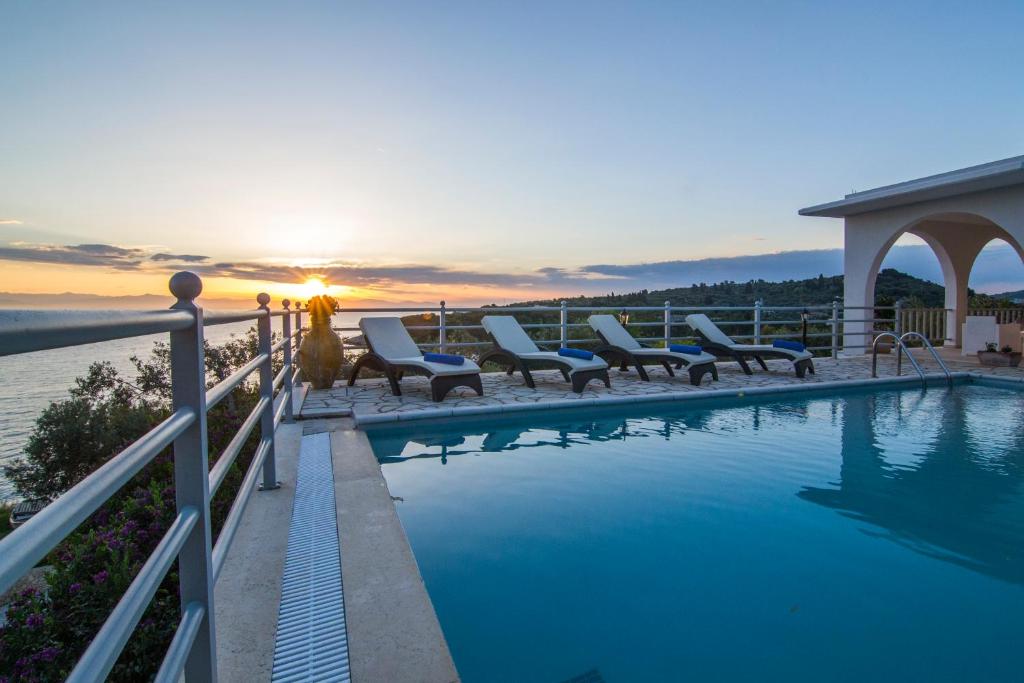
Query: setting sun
{"points": [[314, 286]]}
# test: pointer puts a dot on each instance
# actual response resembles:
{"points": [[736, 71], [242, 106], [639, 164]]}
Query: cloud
{"points": [[787, 265], [9, 221], [184, 258], [367, 276], [121, 258]]}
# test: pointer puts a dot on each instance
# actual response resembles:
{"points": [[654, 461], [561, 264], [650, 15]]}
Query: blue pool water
{"points": [[863, 536]]}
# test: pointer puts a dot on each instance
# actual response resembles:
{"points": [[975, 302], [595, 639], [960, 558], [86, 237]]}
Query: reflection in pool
{"points": [[863, 535]]}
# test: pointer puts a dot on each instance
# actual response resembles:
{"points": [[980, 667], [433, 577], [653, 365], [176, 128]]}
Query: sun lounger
{"points": [[721, 345], [514, 349], [620, 347], [393, 352]]}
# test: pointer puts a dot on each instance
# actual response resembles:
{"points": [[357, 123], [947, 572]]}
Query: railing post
{"points": [[267, 391], [298, 332], [757, 321], [442, 329], [835, 328], [668, 324], [563, 325], [286, 386], [191, 476], [898, 324]]}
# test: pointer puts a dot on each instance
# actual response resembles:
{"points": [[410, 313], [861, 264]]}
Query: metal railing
{"points": [[188, 539], [823, 323], [820, 327]]}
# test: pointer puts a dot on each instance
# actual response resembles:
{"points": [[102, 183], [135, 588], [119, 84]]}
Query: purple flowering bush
{"points": [[47, 631]]}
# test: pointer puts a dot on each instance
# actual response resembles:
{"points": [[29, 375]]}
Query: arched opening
{"points": [[997, 270], [955, 241]]}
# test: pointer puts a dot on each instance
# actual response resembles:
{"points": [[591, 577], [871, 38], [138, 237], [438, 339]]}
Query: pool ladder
{"points": [[901, 348]]}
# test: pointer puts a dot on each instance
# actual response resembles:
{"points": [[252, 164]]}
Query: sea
{"points": [[29, 382]]}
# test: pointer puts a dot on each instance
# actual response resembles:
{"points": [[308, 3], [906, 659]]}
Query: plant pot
{"points": [[998, 359], [320, 354]]}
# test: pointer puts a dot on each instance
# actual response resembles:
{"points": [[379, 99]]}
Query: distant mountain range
{"points": [[1016, 297]]}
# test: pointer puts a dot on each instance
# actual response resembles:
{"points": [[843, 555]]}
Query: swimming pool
{"points": [[865, 535]]}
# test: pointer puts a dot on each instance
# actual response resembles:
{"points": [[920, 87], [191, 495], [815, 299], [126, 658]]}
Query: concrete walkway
{"points": [[387, 621]]}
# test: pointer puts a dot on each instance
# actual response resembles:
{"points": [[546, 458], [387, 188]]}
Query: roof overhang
{"points": [[988, 176]]}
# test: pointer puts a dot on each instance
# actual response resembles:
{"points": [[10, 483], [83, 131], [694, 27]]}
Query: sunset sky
{"points": [[465, 151]]}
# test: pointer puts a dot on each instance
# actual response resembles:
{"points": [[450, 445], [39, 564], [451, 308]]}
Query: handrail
{"points": [[901, 348], [187, 540], [211, 318], [23, 332], [931, 349]]}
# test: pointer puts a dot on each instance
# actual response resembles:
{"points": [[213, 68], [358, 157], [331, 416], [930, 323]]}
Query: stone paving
{"points": [[370, 400]]}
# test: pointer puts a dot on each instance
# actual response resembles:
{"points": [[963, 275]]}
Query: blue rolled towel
{"points": [[446, 358], [790, 345], [575, 353], [686, 348]]}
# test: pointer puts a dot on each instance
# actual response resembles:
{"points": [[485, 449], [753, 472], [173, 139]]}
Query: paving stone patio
{"points": [[371, 401]]}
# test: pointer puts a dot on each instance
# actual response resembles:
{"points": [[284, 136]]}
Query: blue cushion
{"points": [[446, 358], [686, 348], [576, 353], [790, 345]]}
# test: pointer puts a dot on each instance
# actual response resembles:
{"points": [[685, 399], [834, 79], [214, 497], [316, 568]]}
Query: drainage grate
{"points": [[312, 642]]}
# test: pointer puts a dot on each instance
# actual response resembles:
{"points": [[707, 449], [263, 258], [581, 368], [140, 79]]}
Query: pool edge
{"points": [[393, 630], [932, 379]]}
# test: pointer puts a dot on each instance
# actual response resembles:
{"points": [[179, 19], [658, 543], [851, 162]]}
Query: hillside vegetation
{"points": [[890, 286]]}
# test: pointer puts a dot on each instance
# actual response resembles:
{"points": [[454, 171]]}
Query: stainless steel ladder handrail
{"points": [[901, 349], [931, 349]]}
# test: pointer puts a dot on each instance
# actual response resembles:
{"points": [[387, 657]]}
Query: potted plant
{"points": [[320, 354], [995, 357]]}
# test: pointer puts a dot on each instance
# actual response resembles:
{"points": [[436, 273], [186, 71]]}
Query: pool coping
{"points": [[393, 630], [670, 397]]}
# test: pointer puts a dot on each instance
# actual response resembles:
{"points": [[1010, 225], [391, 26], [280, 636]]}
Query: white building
{"points": [[955, 213]]}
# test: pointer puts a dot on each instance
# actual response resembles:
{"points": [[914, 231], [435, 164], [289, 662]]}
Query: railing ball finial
{"points": [[263, 298], [185, 285], [286, 303]]}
